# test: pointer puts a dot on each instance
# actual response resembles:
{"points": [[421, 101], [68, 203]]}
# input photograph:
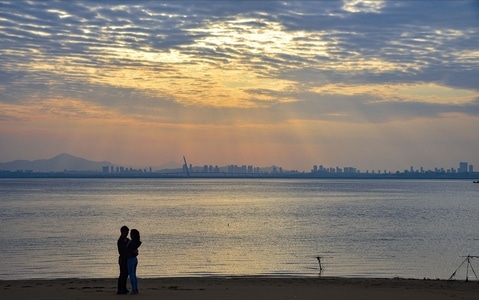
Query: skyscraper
{"points": [[463, 167]]}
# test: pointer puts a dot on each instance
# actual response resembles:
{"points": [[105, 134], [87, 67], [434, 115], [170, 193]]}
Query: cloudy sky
{"points": [[369, 84]]}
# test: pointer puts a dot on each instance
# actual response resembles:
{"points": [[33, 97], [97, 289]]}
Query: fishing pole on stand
{"points": [[468, 263]]}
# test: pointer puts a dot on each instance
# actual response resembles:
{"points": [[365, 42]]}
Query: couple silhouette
{"points": [[128, 259]]}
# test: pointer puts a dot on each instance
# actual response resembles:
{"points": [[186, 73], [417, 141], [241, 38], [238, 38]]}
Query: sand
{"points": [[249, 288]]}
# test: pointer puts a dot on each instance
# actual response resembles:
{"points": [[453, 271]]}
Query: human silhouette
{"points": [[122, 243], [132, 258]]}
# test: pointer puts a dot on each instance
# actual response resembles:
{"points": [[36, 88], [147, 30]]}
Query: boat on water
{"points": [[475, 181]]}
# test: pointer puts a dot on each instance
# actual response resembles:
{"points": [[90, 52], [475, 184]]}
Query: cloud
{"points": [[243, 56], [358, 6]]}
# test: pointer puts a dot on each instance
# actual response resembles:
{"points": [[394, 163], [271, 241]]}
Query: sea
{"points": [[369, 228]]}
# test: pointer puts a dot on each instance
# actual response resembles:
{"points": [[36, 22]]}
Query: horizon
{"points": [[376, 85], [201, 165]]}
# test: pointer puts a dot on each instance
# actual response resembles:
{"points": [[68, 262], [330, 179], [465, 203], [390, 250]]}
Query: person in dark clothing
{"points": [[122, 244], [132, 260]]}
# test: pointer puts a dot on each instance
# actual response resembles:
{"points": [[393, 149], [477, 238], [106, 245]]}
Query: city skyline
{"points": [[370, 84], [62, 160], [462, 167]]}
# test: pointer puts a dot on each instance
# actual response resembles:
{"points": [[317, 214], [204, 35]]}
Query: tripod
{"points": [[469, 265]]}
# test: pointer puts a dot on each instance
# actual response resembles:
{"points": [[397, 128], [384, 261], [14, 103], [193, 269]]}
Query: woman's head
{"points": [[135, 234]]}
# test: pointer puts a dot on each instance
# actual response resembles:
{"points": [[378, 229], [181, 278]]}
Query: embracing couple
{"points": [[128, 261]]}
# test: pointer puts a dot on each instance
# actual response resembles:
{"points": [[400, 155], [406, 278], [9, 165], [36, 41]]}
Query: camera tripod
{"points": [[468, 265]]}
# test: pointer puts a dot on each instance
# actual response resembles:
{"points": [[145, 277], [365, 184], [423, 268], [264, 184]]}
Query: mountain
{"points": [[58, 163]]}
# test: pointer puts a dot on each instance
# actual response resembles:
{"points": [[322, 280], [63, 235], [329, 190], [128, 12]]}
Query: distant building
{"points": [[463, 167], [349, 170]]}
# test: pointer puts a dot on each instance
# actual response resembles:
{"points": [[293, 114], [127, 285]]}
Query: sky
{"points": [[376, 85]]}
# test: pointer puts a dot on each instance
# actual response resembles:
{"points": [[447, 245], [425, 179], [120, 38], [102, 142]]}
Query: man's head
{"points": [[124, 230]]}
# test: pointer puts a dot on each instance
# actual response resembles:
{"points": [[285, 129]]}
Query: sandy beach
{"points": [[244, 288]]}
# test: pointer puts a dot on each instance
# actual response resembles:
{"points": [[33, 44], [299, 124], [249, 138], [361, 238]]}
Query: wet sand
{"points": [[249, 288]]}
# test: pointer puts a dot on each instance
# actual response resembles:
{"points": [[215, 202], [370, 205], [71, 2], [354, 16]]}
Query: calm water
{"points": [[58, 228]]}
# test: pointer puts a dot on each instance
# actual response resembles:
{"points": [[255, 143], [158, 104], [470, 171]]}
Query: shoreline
{"points": [[241, 287], [6, 174]]}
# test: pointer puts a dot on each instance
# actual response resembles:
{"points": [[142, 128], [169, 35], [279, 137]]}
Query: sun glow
{"points": [[427, 93]]}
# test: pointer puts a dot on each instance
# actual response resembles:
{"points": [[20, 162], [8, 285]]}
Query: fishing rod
{"points": [[321, 267], [468, 263]]}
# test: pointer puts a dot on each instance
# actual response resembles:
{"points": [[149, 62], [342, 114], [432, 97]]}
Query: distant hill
{"points": [[58, 163]]}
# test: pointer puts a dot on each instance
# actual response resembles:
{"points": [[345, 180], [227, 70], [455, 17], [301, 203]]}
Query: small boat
{"points": [[475, 181]]}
